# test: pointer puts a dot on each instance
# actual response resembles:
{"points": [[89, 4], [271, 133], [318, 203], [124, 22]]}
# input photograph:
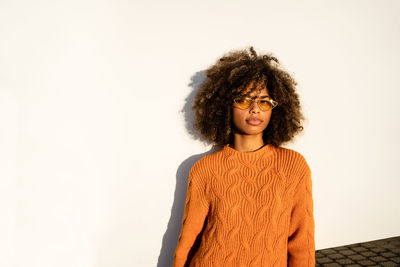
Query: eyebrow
{"points": [[262, 96]]}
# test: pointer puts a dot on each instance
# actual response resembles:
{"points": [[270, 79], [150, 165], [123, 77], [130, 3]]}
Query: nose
{"points": [[254, 108]]}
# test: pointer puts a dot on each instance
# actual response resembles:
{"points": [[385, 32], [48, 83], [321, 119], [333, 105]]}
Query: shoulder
{"points": [[200, 171], [290, 154], [200, 164], [208, 160], [292, 161], [206, 164]]}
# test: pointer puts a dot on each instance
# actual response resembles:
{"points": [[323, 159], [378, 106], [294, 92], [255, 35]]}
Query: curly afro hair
{"points": [[228, 78]]}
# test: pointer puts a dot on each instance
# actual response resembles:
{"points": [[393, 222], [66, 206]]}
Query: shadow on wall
{"points": [[170, 238]]}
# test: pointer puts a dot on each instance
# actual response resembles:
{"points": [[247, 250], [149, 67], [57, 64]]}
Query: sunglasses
{"points": [[263, 104]]}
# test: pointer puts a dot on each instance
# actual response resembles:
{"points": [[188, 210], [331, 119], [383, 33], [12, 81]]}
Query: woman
{"points": [[250, 203]]}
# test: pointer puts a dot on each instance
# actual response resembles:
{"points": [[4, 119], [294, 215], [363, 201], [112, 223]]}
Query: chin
{"points": [[246, 129], [252, 131]]}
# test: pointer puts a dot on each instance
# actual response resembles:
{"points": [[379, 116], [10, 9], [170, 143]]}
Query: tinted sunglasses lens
{"points": [[265, 105], [243, 103]]}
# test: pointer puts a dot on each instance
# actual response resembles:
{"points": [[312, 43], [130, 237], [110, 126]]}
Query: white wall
{"points": [[95, 150]]}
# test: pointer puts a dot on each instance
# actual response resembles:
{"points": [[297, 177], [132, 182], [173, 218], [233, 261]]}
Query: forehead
{"points": [[260, 89]]}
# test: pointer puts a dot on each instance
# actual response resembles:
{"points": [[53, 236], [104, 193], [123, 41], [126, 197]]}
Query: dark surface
{"points": [[382, 252]]}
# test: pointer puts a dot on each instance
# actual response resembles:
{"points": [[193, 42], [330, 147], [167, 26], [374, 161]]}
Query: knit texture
{"points": [[248, 209]]}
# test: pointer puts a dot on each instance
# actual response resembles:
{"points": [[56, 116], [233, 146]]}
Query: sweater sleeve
{"points": [[301, 243], [195, 213]]}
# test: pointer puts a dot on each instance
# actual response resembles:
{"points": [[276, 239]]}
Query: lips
{"points": [[254, 121]]}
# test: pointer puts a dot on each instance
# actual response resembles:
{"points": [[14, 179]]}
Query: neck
{"points": [[247, 143]]}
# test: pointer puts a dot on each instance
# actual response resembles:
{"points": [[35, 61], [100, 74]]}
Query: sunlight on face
{"points": [[253, 120]]}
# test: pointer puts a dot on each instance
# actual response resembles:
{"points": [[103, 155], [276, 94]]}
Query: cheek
{"points": [[267, 116], [267, 119], [235, 118]]}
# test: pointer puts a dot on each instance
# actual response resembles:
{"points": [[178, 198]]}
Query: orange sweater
{"points": [[256, 209]]}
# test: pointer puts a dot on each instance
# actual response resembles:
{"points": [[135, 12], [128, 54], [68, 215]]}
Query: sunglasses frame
{"points": [[273, 103]]}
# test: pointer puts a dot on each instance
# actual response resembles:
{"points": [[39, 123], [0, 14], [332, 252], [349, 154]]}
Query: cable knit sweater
{"points": [[248, 209]]}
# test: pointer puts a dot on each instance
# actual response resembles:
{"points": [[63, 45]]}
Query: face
{"points": [[253, 120]]}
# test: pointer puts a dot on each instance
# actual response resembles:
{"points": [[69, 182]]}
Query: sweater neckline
{"points": [[248, 155]]}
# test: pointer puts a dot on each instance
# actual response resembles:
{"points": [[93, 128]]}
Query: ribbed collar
{"points": [[248, 156]]}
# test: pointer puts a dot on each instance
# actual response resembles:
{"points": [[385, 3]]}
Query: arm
{"points": [[301, 243], [195, 212]]}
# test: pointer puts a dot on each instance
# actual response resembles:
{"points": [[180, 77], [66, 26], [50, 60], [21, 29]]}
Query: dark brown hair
{"points": [[228, 78]]}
